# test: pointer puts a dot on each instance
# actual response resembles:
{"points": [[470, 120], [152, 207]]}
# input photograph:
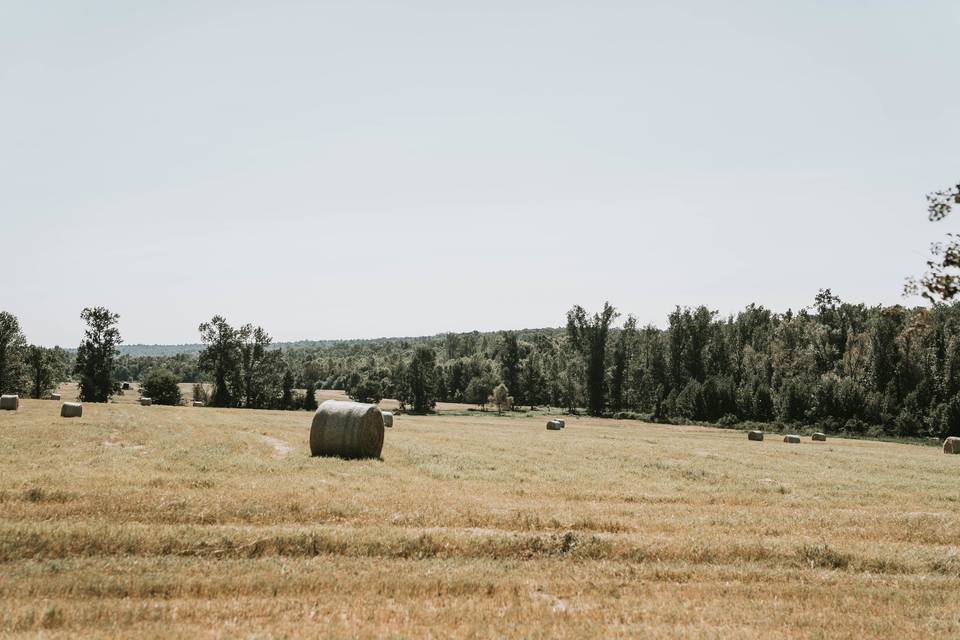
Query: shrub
{"points": [[855, 426], [728, 420], [689, 402], [161, 386], [200, 393]]}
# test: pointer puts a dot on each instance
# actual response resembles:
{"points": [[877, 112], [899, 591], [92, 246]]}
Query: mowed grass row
{"points": [[171, 520]]}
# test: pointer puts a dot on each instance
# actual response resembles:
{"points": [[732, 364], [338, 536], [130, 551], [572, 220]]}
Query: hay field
{"points": [[179, 522]]}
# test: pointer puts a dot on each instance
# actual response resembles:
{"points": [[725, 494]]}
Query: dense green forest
{"points": [[834, 365]]}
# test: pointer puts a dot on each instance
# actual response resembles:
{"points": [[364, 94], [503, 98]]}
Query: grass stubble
{"points": [[199, 522]]}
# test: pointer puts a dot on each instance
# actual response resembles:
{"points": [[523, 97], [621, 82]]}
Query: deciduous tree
{"points": [[96, 354]]}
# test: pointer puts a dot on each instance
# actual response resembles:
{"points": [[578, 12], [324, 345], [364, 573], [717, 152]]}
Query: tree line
{"points": [[838, 366]]}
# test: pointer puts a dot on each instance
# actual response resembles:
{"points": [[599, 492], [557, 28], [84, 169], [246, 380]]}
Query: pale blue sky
{"points": [[361, 169]]}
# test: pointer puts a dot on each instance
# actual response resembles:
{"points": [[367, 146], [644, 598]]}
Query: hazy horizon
{"points": [[361, 170]]}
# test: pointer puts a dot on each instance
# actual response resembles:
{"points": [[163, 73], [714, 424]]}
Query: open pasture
{"points": [[179, 522]]}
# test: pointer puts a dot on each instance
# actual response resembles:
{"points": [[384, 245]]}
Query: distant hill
{"points": [[157, 350], [137, 350]]}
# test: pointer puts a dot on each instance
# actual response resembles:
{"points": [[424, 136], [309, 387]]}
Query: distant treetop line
{"points": [[155, 350]]}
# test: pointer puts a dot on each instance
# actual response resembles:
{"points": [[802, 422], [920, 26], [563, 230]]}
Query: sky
{"points": [[364, 169]]}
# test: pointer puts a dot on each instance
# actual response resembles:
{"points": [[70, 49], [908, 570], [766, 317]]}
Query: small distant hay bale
{"points": [[146, 402], [951, 445], [10, 402], [197, 403], [387, 418], [54, 396], [71, 410], [820, 437], [791, 439], [125, 386], [755, 435], [347, 430], [554, 425], [563, 424]]}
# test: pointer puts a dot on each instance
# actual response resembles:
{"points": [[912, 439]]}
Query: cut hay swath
{"points": [[347, 430], [71, 410], [755, 435], [9, 403]]}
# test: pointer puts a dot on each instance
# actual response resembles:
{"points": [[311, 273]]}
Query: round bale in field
{"points": [[951, 445], [554, 425], [71, 410], [54, 396], [820, 437], [755, 435], [791, 439], [146, 402], [197, 403], [347, 429], [9, 403], [387, 419]]}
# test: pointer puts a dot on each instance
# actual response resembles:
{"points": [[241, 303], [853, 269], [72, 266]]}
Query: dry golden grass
{"points": [[179, 522]]}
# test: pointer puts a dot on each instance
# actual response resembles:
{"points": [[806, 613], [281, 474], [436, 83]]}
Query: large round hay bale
{"points": [[791, 439], [554, 425], [54, 396], [197, 403], [820, 437], [71, 410], [951, 445], [146, 402], [755, 435], [347, 429], [387, 418], [9, 403]]}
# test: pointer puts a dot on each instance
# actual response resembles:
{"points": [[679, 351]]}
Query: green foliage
{"points": [[12, 351], [509, 356], [96, 354], [310, 397], [942, 280], [622, 356], [366, 386], [418, 390], [833, 365], [286, 395], [480, 389], [245, 371], [501, 397], [160, 385], [45, 369], [589, 338], [200, 393], [220, 359]]}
